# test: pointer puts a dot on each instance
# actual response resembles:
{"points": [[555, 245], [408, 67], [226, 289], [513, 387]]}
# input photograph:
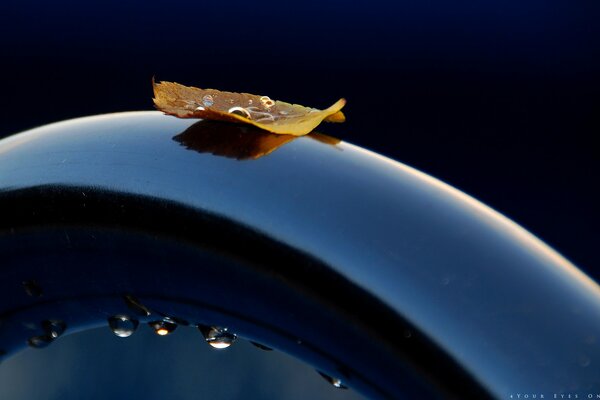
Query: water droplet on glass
{"points": [[39, 342], [250, 102], [217, 337], [584, 361], [266, 101], [32, 288], [207, 100], [135, 305], [241, 111], [200, 108], [261, 346], [122, 325], [163, 327], [54, 328], [335, 382]]}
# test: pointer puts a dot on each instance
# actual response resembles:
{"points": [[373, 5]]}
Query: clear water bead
{"points": [[54, 328], [39, 342], [208, 100], [217, 337], [335, 382], [267, 102], [122, 325], [241, 111], [163, 327]]}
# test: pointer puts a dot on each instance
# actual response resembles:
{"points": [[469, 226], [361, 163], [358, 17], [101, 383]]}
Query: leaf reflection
{"points": [[238, 141]]}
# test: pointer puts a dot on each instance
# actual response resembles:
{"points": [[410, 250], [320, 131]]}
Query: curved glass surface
{"points": [[512, 312]]}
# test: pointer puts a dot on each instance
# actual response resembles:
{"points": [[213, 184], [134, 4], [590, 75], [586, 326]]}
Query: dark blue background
{"points": [[498, 98]]}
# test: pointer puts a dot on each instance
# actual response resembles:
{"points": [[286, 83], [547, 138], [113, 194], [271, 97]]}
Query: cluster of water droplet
{"points": [[123, 325], [52, 329]]}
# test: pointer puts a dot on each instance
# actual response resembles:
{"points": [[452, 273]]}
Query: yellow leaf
{"points": [[273, 116]]}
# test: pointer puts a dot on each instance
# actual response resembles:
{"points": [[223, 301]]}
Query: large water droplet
{"points": [[217, 337], [122, 325], [32, 288], [208, 100], [39, 342], [241, 111], [136, 306], [163, 327], [54, 328], [335, 382]]}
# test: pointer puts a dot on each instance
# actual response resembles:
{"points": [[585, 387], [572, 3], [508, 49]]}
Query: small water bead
{"points": [[54, 328], [217, 337], [39, 342], [199, 108], [335, 382], [208, 100], [267, 102], [584, 360], [241, 111], [122, 325], [163, 327], [136, 306], [32, 288]]}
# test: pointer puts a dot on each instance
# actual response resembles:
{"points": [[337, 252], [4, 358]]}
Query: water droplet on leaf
{"points": [[266, 101], [122, 325], [207, 100], [241, 111]]}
